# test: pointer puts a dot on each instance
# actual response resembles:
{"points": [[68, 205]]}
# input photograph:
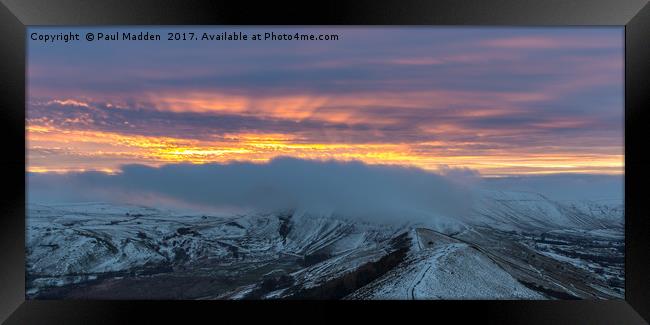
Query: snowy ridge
{"points": [[531, 211], [443, 268], [99, 250]]}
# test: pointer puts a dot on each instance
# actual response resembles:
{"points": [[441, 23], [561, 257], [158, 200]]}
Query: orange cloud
{"points": [[51, 149]]}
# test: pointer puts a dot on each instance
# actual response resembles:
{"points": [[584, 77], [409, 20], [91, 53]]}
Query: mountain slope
{"points": [[515, 245], [512, 210]]}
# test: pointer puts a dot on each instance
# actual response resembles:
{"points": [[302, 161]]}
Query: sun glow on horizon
{"points": [[83, 150]]}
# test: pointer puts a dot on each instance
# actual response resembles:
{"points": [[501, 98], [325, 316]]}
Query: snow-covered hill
{"points": [[516, 210], [439, 267], [514, 245]]}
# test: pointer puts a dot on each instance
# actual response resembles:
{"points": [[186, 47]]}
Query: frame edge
{"points": [[12, 208]]}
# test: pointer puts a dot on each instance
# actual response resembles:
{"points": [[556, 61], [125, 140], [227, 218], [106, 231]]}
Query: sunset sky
{"points": [[501, 101]]}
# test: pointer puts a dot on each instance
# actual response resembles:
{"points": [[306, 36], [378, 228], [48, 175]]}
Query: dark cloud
{"points": [[465, 62], [353, 189], [404, 125], [345, 188], [187, 125]]}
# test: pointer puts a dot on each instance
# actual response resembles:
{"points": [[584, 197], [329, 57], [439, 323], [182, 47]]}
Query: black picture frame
{"points": [[16, 15]]}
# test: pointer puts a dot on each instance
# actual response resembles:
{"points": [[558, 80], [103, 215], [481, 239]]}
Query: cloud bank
{"points": [[350, 189]]}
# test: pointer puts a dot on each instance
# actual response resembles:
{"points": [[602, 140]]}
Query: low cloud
{"points": [[351, 189]]}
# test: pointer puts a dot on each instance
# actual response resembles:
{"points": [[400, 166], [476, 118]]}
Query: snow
{"points": [[76, 243], [447, 270], [516, 210]]}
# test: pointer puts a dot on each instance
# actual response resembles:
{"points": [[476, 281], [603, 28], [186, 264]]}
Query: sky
{"points": [[499, 101]]}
